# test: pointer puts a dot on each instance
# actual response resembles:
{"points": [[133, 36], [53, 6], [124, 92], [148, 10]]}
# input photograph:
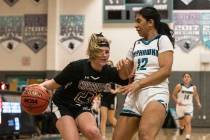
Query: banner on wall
{"points": [[187, 30], [36, 1], [71, 31], [11, 2], [205, 26], [35, 31], [11, 28], [191, 4]]}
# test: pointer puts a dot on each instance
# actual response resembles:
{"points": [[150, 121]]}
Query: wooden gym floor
{"points": [[165, 134]]}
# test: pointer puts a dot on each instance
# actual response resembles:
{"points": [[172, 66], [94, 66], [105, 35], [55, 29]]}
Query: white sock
{"points": [[188, 136], [181, 127]]}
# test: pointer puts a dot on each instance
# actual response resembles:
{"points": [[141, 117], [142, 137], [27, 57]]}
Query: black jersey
{"points": [[108, 100], [81, 83]]}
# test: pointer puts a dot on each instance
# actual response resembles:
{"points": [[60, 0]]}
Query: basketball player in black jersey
{"points": [[82, 80]]}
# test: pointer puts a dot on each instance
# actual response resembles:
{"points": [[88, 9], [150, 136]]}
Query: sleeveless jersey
{"points": [[81, 83], [145, 53], [185, 96]]}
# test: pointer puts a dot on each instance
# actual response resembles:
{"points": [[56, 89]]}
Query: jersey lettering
{"points": [[147, 52]]}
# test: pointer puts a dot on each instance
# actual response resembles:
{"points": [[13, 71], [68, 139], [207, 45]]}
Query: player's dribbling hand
{"points": [[32, 85], [44, 88], [35, 85]]}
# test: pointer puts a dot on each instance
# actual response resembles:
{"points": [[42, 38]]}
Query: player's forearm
{"points": [[197, 100], [50, 84]]}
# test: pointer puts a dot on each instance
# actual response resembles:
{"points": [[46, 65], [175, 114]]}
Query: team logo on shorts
{"points": [[163, 103], [71, 32]]}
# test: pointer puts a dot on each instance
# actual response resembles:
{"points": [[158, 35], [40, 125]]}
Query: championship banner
{"points": [[205, 25], [11, 2], [186, 30], [35, 31], [164, 8], [11, 28], [36, 1], [71, 31], [191, 4], [116, 2]]}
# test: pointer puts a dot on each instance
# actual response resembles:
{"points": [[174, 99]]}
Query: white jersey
{"points": [[185, 96], [144, 54]]}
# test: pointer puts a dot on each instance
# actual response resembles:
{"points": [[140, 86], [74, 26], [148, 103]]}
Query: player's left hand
{"points": [[131, 88], [115, 90]]}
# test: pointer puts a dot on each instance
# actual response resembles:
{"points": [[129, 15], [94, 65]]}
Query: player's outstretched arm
{"points": [[175, 92]]}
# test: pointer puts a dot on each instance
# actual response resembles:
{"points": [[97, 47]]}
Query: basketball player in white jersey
{"points": [[183, 96], [151, 58]]}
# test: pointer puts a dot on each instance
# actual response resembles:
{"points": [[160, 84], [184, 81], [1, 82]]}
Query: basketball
{"points": [[35, 99]]}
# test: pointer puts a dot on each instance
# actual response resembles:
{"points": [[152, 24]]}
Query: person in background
{"points": [[107, 108], [82, 80], [151, 58], [182, 95], [95, 108], [96, 104]]}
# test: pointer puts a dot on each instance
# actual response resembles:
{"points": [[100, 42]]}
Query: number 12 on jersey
{"points": [[142, 63]]}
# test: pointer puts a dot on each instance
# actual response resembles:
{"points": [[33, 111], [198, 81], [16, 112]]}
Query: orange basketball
{"points": [[35, 99]]}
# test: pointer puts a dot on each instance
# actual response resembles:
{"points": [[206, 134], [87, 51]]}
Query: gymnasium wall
{"points": [[12, 60], [53, 57], [122, 37]]}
